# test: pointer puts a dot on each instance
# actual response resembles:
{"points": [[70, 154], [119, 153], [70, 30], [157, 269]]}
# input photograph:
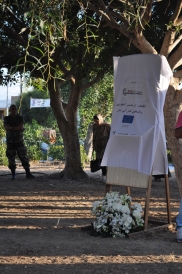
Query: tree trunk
{"points": [[88, 141], [67, 123], [171, 111], [73, 169]]}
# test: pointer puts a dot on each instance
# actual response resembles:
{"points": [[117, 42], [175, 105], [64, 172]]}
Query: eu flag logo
{"points": [[128, 119]]}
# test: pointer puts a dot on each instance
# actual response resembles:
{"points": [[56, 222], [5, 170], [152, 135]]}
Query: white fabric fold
{"points": [[137, 139]]}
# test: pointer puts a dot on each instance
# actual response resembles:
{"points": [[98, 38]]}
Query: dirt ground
{"points": [[44, 227]]}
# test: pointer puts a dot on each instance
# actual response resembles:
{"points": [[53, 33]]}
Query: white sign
{"points": [[39, 103], [137, 140]]}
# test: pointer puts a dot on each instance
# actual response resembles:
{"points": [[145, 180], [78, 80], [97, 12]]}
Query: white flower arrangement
{"points": [[115, 216]]}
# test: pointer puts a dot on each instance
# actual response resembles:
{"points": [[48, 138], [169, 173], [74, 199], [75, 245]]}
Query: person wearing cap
{"points": [[178, 135], [13, 124], [101, 132]]}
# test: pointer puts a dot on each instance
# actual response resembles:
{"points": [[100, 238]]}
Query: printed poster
{"points": [[39, 103], [137, 139]]}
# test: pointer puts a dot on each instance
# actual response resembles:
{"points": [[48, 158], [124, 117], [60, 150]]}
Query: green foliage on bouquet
{"points": [[116, 216]]}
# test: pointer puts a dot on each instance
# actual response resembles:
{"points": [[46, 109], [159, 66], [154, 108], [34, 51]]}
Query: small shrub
{"points": [[57, 152], [2, 130], [33, 151], [169, 157], [3, 158], [84, 158], [33, 137]]}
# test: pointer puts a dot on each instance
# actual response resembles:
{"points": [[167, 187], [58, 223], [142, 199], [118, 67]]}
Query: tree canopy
{"points": [[75, 41], [56, 42], [153, 27]]}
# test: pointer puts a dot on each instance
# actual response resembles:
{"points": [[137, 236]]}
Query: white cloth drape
{"points": [[39, 103], [137, 138]]}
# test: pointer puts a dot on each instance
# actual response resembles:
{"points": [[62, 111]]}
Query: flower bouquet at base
{"points": [[116, 216]]}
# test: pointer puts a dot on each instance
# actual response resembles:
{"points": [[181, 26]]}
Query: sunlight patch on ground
{"points": [[61, 207], [90, 259]]}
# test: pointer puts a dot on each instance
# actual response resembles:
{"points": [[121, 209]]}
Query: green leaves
{"points": [[3, 158], [33, 136], [2, 130], [97, 99]]}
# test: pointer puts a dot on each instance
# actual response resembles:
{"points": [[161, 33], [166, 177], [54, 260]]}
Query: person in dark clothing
{"points": [[101, 132], [13, 124], [158, 178]]}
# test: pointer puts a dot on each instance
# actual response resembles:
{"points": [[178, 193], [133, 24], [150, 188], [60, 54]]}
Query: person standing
{"points": [[101, 132], [13, 124], [178, 135]]}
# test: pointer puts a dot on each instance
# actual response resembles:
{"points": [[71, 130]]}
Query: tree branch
{"points": [[98, 77], [179, 21], [143, 45], [15, 35], [176, 58], [109, 19], [178, 74], [167, 42], [177, 12], [170, 34], [179, 63], [146, 15], [18, 38], [137, 39], [175, 43]]}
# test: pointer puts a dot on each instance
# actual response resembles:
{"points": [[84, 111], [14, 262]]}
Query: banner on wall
{"points": [[39, 103], [137, 139]]}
